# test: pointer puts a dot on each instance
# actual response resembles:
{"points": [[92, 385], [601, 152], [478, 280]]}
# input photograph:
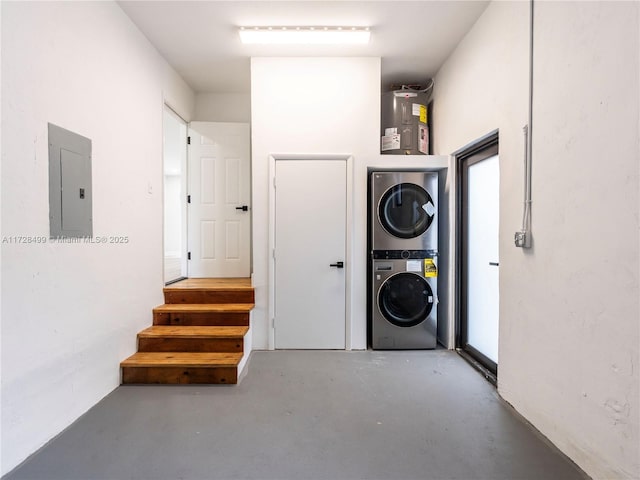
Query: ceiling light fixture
{"points": [[305, 35]]}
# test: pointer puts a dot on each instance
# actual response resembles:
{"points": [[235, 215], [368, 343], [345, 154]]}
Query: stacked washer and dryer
{"points": [[404, 250]]}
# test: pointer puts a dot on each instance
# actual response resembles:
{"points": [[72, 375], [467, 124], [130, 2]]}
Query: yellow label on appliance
{"points": [[430, 269], [423, 114]]}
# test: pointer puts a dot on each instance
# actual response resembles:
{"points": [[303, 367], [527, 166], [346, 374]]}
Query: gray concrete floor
{"points": [[309, 415]]}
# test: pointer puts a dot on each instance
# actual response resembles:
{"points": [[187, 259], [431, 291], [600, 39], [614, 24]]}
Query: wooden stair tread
{"points": [[194, 331], [211, 284], [204, 307], [182, 359]]}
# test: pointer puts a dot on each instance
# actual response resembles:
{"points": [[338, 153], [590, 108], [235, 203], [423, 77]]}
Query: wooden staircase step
{"points": [[181, 368], [164, 359], [194, 332], [192, 339], [208, 296], [210, 290], [220, 314]]}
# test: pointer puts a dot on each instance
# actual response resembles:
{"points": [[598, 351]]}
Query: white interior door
{"points": [[219, 192], [482, 259], [310, 236]]}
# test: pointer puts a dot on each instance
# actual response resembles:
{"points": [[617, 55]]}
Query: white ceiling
{"points": [[200, 40]]}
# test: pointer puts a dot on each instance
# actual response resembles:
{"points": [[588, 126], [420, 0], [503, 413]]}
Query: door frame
{"points": [[477, 151], [348, 159], [183, 206]]}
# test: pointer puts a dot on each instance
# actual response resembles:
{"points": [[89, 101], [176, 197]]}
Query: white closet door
{"points": [[310, 237]]}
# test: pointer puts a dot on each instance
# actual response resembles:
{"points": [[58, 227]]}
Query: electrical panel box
{"points": [[70, 209]]}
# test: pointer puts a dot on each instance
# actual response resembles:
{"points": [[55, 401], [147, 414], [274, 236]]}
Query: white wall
{"points": [[176, 93], [307, 106], [569, 306], [223, 107], [70, 312], [318, 106]]}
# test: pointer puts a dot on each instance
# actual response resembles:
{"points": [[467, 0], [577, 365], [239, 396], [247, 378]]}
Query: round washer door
{"points": [[405, 299], [406, 210]]}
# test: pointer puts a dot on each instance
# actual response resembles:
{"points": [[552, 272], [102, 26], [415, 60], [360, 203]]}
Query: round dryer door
{"points": [[405, 299], [406, 210]]}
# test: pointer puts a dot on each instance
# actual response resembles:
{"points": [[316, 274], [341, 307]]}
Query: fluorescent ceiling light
{"points": [[304, 35]]}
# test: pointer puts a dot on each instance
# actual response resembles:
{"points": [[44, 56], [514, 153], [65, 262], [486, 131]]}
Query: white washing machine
{"points": [[404, 296], [404, 210]]}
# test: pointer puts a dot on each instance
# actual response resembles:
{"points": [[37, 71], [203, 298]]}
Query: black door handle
{"points": [[244, 208], [337, 265], [494, 264]]}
